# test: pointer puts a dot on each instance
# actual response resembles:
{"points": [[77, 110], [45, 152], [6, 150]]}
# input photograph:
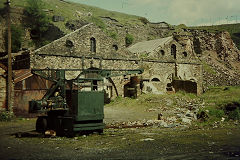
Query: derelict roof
{"points": [[149, 46]]}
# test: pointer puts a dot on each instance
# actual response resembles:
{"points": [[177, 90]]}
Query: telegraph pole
{"points": [[9, 82]]}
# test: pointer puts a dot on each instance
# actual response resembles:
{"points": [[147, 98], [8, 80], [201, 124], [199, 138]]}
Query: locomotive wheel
{"points": [[41, 124]]}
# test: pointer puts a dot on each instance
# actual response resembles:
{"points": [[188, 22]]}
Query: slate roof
{"points": [[149, 46]]}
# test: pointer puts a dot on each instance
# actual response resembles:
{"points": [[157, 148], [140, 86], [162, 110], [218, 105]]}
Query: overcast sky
{"points": [[190, 12]]}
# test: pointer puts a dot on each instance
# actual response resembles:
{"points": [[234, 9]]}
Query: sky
{"points": [[189, 12]]}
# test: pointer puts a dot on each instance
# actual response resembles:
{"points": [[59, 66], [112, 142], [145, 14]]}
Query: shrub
{"points": [[17, 34], [235, 115], [16, 37], [144, 20], [218, 113], [6, 116], [113, 35], [129, 39]]}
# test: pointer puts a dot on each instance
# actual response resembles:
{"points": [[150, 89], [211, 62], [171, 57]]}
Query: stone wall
{"points": [[78, 43], [152, 69], [3, 89]]}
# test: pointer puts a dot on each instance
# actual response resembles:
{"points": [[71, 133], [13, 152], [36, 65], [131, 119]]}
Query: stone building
{"points": [[166, 63], [179, 69], [87, 41]]}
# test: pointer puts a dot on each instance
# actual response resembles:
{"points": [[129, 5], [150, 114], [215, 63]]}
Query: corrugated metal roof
{"points": [[149, 46], [21, 75]]}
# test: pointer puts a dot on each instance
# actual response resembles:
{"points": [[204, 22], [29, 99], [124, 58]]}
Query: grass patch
{"points": [[6, 116], [222, 102], [208, 68], [220, 96], [185, 94]]}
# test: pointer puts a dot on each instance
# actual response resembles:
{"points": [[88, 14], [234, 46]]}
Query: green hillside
{"points": [[73, 11], [233, 29], [85, 13]]}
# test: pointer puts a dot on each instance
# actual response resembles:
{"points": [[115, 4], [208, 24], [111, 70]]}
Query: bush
{"points": [[129, 39], [144, 20], [234, 115], [113, 35], [16, 38], [218, 113], [6, 116]]}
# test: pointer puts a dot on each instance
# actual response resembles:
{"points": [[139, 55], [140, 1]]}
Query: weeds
{"points": [[234, 115], [6, 116]]}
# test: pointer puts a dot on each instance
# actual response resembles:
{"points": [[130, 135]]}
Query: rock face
{"points": [[220, 58]]}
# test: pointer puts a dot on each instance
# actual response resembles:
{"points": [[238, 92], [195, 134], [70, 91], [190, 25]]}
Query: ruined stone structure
{"points": [[166, 65], [183, 64]]}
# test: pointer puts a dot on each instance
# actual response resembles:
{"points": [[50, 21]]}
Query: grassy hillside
{"points": [[233, 29], [76, 11], [72, 11]]}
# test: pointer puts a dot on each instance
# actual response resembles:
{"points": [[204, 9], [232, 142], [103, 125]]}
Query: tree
{"points": [[16, 38], [38, 20], [17, 35]]}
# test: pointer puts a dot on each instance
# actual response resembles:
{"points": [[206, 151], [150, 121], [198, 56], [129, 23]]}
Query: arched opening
{"points": [[162, 52], [69, 43], [115, 47], [155, 80], [174, 50], [185, 54], [93, 45]]}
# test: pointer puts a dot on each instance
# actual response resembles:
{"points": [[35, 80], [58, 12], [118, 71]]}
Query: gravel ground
{"points": [[218, 142]]}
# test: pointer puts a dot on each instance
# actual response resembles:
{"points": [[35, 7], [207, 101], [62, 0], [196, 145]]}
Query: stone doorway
{"points": [[187, 86]]}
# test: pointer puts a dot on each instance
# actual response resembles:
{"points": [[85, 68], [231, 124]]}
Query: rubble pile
{"points": [[168, 116]]}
